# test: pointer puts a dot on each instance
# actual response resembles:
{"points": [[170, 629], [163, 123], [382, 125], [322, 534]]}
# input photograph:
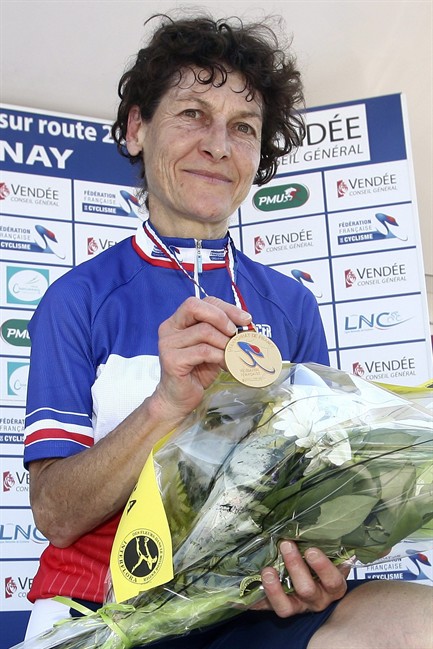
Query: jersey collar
{"points": [[212, 251]]}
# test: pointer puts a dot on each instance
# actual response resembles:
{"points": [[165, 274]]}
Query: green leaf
{"points": [[396, 482], [339, 516]]}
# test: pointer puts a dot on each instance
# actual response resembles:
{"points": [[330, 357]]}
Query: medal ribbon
{"points": [[229, 263], [239, 300]]}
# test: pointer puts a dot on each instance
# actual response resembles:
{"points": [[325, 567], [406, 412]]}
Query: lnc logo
{"points": [[383, 321], [15, 532], [282, 197]]}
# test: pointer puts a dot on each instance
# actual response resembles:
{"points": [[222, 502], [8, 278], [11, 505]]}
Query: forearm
{"points": [[71, 496]]}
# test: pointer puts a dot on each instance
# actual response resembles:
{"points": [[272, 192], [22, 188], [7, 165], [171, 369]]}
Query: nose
{"points": [[215, 141]]}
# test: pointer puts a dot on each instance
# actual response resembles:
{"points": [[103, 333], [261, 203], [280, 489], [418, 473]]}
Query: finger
{"points": [[345, 568], [332, 578], [309, 593], [182, 360], [194, 335], [304, 585], [199, 345], [238, 315], [223, 316], [278, 600]]}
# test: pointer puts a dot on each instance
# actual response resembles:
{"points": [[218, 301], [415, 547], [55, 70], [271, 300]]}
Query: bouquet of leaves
{"points": [[321, 457]]}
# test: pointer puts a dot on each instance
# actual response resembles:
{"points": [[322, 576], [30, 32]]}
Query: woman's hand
{"points": [[191, 350], [309, 594]]}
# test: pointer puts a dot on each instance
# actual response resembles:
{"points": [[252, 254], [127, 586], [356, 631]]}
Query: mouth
{"points": [[209, 176]]}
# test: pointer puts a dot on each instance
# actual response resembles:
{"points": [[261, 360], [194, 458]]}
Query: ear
{"points": [[133, 134]]}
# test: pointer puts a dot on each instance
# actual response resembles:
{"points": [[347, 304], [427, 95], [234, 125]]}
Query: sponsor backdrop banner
{"points": [[340, 217]]}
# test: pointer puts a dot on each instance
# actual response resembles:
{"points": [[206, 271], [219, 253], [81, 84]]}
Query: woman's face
{"points": [[201, 152]]}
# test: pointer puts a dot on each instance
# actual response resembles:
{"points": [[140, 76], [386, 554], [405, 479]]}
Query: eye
{"points": [[192, 113], [246, 128]]}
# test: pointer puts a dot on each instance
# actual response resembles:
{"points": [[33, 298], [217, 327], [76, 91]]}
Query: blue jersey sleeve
{"points": [[62, 372]]}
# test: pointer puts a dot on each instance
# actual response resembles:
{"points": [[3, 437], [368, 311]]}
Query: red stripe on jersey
{"points": [[163, 263], [79, 570], [59, 434]]}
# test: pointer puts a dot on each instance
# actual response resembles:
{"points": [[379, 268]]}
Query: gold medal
{"points": [[253, 359]]}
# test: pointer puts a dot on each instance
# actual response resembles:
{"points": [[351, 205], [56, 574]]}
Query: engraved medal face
{"points": [[253, 359]]}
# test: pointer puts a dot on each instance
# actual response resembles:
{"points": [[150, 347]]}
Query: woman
{"points": [[124, 346]]}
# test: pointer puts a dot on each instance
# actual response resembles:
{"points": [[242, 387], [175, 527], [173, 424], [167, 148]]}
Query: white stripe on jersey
{"points": [[120, 387]]}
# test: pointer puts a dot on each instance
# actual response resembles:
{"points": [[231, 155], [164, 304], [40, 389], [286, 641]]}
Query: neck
{"points": [[186, 229]]}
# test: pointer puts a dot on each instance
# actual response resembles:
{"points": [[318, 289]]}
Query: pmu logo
{"points": [[10, 587], [14, 332], [4, 191], [302, 276], [282, 197], [8, 481], [381, 321], [252, 353], [259, 245]]}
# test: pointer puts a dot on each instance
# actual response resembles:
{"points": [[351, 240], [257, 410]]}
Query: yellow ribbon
{"points": [[424, 388], [105, 613]]}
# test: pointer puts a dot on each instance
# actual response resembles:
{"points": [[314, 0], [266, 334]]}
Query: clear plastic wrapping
{"points": [[320, 457]]}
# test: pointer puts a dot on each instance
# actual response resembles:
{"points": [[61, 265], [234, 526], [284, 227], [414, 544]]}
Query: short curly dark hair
{"points": [[218, 46]]}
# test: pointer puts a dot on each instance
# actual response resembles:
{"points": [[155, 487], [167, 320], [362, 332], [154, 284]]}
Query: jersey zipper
{"points": [[198, 266]]}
